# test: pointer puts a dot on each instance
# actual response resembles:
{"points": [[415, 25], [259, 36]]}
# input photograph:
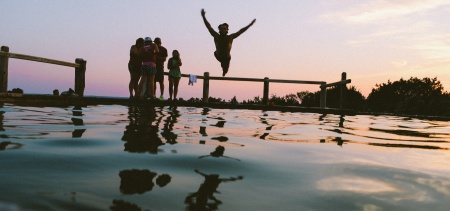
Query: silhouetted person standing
{"points": [[160, 59], [223, 42]]}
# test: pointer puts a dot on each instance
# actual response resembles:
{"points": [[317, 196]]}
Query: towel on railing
{"points": [[192, 79]]}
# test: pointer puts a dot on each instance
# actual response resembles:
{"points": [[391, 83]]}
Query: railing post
{"points": [[323, 95], [205, 87], [343, 89], [4, 70], [80, 78], [266, 91]]}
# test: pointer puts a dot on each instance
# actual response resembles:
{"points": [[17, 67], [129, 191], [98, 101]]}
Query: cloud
{"points": [[401, 63], [380, 11]]}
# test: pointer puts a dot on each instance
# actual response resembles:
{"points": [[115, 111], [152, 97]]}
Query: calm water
{"points": [[131, 158]]}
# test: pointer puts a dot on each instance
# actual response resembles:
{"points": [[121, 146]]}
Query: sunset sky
{"points": [[373, 41]]}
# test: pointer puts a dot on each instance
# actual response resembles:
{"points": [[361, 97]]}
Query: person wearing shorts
{"points": [[160, 59], [148, 55]]}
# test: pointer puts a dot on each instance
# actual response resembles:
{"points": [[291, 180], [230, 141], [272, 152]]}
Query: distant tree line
{"points": [[413, 96]]}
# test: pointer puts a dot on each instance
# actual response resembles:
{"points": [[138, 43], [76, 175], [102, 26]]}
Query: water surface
{"points": [[112, 157]]}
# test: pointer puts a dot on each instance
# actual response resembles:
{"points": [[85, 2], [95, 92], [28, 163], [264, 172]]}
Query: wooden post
{"points": [[266, 91], [80, 73], [343, 88], [205, 87], [323, 95], [4, 70]]}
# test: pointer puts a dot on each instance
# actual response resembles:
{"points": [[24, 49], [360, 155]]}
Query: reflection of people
{"points": [[140, 181], [168, 133], [174, 64], [199, 199], [134, 67], [136, 181], [160, 59], [148, 56], [163, 180], [140, 135], [121, 205], [223, 41]]}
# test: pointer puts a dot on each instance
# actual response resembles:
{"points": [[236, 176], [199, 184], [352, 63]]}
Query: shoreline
{"points": [[43, 100]]}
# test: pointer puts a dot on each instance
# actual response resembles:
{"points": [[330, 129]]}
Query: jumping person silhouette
{"points": [[223, 42]]}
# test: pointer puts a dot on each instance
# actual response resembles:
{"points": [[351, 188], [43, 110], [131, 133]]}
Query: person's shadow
{"points": [[140, 134], [204, 198]]}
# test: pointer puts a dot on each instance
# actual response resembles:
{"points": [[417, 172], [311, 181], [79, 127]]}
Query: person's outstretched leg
{"points": [[225, 65]]}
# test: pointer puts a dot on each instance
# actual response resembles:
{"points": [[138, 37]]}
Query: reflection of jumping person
{"points": [[223, 42], [199, 199], [218, 152]]}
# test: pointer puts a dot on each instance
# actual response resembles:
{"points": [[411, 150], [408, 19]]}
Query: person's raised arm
{"points": [[243, 29], [208, 26]]}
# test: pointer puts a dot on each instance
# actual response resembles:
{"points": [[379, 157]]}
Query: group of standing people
{"points": [[147, 59], [146, 67]]}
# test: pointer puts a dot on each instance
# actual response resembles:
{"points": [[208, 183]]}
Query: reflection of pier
{"points": [[77, 121]]}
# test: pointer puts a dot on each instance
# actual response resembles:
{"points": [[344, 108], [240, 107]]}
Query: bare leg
{"points": [[152, 86], [175, 91], [141, 85], [161, 87], [134, 84], [224, 62], [170, 88]]}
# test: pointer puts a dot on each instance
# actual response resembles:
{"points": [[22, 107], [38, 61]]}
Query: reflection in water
{"points": [[264, 121], [4, 145], [218, 152], [141, 135], [1, 119], [140, 181], [204, 198], [341, 121], [220, 138], [220, 123], [121, 205], [136, 181], [77, 121], [203, 131], [171, 119]]}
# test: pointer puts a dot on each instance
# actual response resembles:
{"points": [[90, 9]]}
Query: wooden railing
{"points": [[79, 65], [80, 70], [323, 86]]}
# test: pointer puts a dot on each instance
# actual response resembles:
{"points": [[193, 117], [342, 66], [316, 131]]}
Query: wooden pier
{"points": [[80, 70]]}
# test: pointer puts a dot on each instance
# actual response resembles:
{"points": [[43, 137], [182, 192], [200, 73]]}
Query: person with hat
{"points": [[223, 41], [148, 56]]}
